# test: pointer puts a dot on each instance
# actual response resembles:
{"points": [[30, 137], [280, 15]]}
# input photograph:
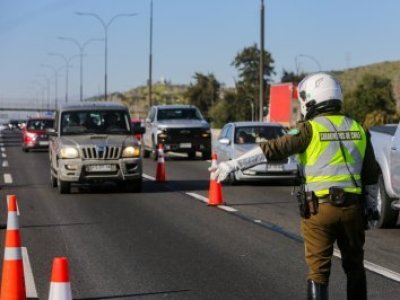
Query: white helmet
{"points": [[318, 93]]}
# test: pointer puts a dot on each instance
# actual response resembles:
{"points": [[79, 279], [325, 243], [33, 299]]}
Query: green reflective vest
{"points": [[323, 163]]}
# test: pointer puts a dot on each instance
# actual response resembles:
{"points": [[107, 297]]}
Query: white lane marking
{"points": [[3, 154], [198, 197], [227, 208], [368, 265], [4, 163], [31, 291], [8, 178], [3, 149], [148, 177], [375, 268]]}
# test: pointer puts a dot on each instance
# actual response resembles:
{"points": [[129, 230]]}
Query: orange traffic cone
{"points": [[160, 175], [215, 191], [13, 281], [60, 286]]}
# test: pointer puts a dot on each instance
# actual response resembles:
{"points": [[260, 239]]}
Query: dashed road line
{"points": [[4, 163], [2, 149], [148, 177], [387, 273], [8, 178], [3, 154], [375, 268]]}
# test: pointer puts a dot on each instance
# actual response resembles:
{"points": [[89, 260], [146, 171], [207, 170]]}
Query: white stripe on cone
{"points": [[60, 291]]}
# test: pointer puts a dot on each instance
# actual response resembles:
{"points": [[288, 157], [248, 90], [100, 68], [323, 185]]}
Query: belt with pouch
{"points": [[349, 199]]}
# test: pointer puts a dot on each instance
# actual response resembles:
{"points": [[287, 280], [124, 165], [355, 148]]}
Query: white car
{"points": [[239, 137]]}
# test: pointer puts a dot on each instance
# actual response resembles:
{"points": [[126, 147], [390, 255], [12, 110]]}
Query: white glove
{"points": [[221, 172], [371, 204], [247, 160]]}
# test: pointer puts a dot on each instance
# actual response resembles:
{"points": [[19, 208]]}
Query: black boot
{"points": [[357, 287], [317, 291]]}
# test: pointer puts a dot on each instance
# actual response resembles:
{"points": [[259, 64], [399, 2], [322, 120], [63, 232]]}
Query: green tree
{"points": [[204, 93], [224, 110], [373, 97], [247, 62], [292, 77]]}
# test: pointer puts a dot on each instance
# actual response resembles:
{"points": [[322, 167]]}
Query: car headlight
{"points": [[206, 133], [69, 152], [131, 151], [162, 133]]}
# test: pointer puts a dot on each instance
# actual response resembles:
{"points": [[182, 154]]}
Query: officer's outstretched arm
{"points": [[247, 160]]}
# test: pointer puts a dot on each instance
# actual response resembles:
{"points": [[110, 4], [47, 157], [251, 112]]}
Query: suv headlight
{"points": [[69, 152], [206, 133], [131, 151], [162, 133]]}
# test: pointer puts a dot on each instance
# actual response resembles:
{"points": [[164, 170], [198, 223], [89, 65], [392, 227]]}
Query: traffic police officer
{"points": [[337, 166]]}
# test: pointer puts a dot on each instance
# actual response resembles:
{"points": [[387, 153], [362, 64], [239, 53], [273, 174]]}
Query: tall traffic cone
{"points": [[13, 281], [215, 191], [60, 286], [160, 174]]}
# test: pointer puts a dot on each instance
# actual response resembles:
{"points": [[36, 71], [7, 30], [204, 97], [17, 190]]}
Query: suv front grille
{"points": [[106, 152], [184, 134]]}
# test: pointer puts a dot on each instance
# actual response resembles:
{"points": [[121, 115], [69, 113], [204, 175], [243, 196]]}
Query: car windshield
{"points": [[98, 122], [39, 124], [179, 114], [256, 134]]}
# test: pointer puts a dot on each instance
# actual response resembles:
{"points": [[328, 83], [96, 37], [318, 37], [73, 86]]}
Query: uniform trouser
{"points": [[342, 224]]}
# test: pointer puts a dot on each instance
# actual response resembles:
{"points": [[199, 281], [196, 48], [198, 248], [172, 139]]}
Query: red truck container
{"points": [[283, 104]]}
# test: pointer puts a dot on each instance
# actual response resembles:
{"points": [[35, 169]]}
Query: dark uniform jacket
{"points": [[298, 140]]}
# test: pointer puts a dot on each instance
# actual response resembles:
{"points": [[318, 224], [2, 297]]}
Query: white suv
{"points": [[179, 128], [93, 142]]}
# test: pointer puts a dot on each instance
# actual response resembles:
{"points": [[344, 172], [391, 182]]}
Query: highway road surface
{"points": [[166, 242]]}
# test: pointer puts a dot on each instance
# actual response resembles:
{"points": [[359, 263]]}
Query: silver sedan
{"points": [[236, 138]]}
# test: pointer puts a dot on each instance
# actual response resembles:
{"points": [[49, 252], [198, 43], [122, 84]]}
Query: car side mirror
{"points": [[51, 132], [224, 141]]}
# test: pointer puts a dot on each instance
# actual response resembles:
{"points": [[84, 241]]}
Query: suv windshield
{"points": [[101, 122], [39, 124], [179, 114]]}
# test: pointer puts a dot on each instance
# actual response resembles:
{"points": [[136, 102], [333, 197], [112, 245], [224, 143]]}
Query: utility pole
{"points": [[262, 89], [151, 55]]}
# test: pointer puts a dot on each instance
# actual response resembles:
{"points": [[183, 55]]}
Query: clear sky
{"points": [[188, 36]]}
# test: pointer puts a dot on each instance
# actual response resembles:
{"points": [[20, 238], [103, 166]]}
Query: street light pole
{"points": [[310, 57], [41, 89], [55, 83], [262, 89], [81, 47], [252, 109], [151, 56], [105, 27], [48, 88], [67, 65]]}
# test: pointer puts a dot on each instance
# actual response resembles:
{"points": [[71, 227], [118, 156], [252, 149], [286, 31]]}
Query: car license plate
{"points": [[185, 145], [274, 167], [43, 143], [101, 168]]}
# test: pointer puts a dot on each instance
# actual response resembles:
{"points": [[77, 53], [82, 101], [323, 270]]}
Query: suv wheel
{"points": [[206, 154], [53, 180], [146, 153], [388, 216], [154, 152], [64, 187], [132, 186]]}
